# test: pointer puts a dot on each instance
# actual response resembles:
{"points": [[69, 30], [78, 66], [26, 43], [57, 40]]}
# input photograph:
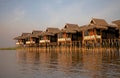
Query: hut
{"points": [[68, 34], [93, 31], [97, 31], [117, 22], [33, 38], [49, 36], [21, 40]]}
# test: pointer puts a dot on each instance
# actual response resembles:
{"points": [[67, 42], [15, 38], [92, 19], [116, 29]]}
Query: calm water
{"points": [[62, 64]]}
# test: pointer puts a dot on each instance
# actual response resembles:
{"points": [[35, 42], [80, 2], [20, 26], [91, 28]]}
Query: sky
{"points": [[18, 16]]}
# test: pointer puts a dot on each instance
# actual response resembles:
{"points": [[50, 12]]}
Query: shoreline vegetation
{"points": [[8, 48]]}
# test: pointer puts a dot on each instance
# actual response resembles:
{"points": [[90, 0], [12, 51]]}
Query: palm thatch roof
{"points": [[97, 27], [53, 30], [117, 22], [35, 33], [23, 36], [95, 23], [50, 32], [87, 27], [46, 33], [98, 22], [82, 28], [113, 25], [70, 28], [18, 38]]}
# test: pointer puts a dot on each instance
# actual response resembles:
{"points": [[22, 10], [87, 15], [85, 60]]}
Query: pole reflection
{"points": [[85, 63]]}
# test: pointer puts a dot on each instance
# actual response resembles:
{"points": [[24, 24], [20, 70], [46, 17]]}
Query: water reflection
{"points": [[82, 63]]}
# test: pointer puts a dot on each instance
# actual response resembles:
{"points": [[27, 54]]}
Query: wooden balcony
{"points": [[92, 37], [30, 42], [44, 41], [19, 43], [64, 39]]}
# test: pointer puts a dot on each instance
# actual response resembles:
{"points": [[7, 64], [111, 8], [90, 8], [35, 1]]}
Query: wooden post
{"points": [[101, 38], [83, 39], [95, 37]]}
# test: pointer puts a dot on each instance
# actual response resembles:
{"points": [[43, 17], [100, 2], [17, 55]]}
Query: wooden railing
{"points": [[19, 43], [92, 37], [105, 43], [30, 42], [64, 39], [44, 41]]}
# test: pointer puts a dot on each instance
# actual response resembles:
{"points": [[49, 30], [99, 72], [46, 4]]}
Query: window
{"points": [[60, 35], [86, 33], [98, 31], [68, 35]]}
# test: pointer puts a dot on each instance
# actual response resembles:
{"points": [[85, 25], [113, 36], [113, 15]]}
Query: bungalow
{"points": [[92, 33], [33, 39], [21, 40], [68, 34], [50, 35], [117, 22], [97, 30]]}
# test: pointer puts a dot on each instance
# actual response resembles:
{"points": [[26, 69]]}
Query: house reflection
{"points": [[93, 62]]}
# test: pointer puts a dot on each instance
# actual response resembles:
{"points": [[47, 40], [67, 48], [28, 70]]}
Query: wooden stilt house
{"points": [[93, 32], [117, 22], [21, 40], [33, 38], [49, 36], [97, 31], [68, 34]]}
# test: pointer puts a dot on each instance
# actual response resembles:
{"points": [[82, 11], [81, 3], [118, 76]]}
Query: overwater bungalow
{"points": [[96, 34], [97, 31], [49, 36], [68, 34], [117, 22], [33, 38], [21, 40]]}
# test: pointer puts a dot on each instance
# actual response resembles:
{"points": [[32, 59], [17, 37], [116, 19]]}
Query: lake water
{"points": [[60, 64]]}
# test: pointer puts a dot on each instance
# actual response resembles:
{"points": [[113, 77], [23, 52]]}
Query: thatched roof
{"points": [[117, 22], [95, 23], [46, 33], [35, 33], [53, 30], [98, 22], [68, 31], [101, 24], [50, 32], [18, 38], [87, 27], [82, 28], [23, 36], [113, 25], [96, 27], [70, 28]]}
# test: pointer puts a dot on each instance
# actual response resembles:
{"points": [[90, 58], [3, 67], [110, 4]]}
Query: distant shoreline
{"points": [[9, 48]]}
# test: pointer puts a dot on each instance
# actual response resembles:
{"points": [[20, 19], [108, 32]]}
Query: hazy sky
{"points": [[17, 16]]}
